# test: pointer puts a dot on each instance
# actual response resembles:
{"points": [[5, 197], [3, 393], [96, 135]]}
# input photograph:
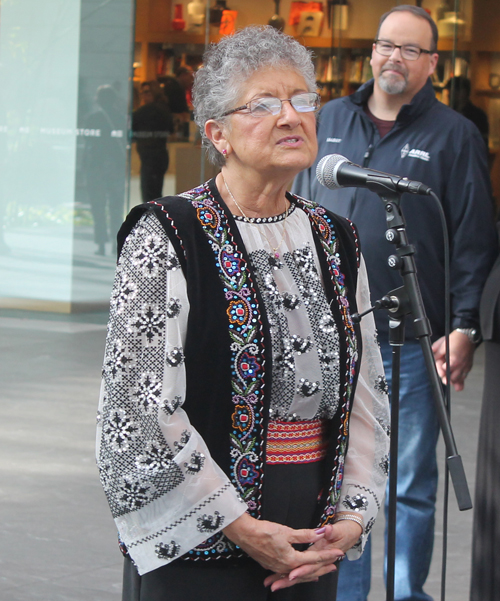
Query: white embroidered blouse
{"points": [[156, 470]]}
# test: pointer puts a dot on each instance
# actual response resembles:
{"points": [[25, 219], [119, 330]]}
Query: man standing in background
{"points": [[394, 124], [178, 92], [151, 124], [459, 90]]}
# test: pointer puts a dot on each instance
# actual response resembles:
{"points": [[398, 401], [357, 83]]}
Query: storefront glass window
{"points": [[65, 70]]}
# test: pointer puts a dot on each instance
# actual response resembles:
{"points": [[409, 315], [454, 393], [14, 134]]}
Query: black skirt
{"points": [[290, 497]]}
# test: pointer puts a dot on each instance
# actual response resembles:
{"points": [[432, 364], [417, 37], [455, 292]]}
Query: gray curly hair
{"points": [[235, 58]]}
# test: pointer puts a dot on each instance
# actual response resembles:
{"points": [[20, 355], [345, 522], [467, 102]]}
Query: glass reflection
{"points": [[64, 107]]}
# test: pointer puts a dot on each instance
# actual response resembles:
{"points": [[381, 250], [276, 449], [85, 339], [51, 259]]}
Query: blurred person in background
{"points": [[459, 89], [103, 166], [178, 90], [151, 124]]}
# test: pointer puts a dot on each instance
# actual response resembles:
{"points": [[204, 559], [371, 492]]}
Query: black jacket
{"points": [[151, 124], [429, 143]]}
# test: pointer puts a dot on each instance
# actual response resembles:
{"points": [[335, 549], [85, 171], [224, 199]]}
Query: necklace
{"points": [[251, 222]]}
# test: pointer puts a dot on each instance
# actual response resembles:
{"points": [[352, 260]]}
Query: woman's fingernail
{"points": [[320, 530]]}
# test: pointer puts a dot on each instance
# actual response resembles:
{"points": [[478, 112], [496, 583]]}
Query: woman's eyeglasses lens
{"points": [[410, 53], [302, 103]]}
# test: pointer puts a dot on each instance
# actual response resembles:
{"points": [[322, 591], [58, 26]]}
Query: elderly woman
{"points": [[233, 377]]}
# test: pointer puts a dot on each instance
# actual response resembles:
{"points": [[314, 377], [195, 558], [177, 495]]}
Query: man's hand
{"points": [[339, 538], [461, 358], [270, 544]]}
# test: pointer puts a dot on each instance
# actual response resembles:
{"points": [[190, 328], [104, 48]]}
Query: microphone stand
{"points": [[399, 303]]}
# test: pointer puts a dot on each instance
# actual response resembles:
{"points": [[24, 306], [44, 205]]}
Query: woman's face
{"points": [[284, 143]]}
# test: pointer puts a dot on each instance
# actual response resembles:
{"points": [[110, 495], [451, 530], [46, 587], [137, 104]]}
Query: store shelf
{"points": [[181, 37], [489, 93], [447, 45]]}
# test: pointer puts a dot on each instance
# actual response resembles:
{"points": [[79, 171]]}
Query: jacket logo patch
{"points": [[415, 153], [334, 140]]}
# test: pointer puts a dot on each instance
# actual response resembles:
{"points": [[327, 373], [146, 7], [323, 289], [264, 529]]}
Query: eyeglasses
{"points": [[307, 102], [408, 52]]}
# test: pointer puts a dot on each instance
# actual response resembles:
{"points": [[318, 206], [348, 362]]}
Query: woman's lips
{"points": [[291, 140]]}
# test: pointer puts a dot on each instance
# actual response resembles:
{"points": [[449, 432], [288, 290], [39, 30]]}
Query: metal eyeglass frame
{"points": [[401, 46], [290, 100]]}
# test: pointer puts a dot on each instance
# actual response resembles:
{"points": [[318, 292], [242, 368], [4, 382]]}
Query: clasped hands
{"points": [[271, 545]]}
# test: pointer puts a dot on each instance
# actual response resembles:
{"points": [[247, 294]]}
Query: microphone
{"points": [[335, 171]]}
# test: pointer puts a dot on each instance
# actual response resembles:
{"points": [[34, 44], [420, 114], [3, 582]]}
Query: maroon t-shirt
{"points": [[384, 127]]}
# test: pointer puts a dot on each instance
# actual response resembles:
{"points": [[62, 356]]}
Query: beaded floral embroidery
{"points": [[325, 228], [247, 357], [247, 348]]}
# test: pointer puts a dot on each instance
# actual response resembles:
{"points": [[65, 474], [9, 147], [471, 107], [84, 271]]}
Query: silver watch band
{"points": [[472, 334]]}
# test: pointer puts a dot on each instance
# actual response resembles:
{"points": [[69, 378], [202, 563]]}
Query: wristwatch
{"points": [[472, 334]]}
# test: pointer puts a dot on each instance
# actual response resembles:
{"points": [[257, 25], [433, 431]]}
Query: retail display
{"points": [[196, 16], [178, 23], [276, 20]]}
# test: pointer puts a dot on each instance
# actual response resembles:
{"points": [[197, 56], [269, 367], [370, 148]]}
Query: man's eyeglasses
{"points": [[307, 102], [408, 52]]}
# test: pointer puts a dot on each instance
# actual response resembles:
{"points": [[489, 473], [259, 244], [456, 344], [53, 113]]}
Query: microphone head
{"points": [[326, 171]]}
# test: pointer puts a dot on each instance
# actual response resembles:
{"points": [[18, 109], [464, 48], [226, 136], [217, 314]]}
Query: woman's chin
{"points": [[297, 162]]}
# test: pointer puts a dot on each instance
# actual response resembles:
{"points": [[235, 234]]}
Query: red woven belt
{"points": [[296, 442]]}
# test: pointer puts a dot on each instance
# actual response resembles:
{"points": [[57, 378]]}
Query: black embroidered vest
{"points": [[228, 346]]}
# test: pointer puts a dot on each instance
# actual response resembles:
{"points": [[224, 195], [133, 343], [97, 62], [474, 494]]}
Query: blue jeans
{"points": [[417, 487]]}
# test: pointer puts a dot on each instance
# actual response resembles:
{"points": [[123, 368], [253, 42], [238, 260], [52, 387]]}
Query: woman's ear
{"points": [[216, 133]]}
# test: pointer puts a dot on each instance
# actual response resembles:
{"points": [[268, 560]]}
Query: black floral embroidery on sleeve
{"points": [[180, 444], [167, 550], [173, 308], [134, 493], [210, 523], [150, 256], [149, 322], [155, 458], [175, 357], [120, 430], [147, 392], [381, 385], [357, 503], [196, 463], [170, 406], [384, 464], [172, 263]]}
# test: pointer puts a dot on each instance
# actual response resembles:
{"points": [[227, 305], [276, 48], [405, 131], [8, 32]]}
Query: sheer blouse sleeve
{"points": [[166, 493], [367, 459]]}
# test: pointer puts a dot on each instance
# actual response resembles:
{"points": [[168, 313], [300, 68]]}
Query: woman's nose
{"points": [[288, 113]]}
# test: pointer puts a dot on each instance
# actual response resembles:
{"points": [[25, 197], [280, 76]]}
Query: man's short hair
{"points": [[418, 12]]}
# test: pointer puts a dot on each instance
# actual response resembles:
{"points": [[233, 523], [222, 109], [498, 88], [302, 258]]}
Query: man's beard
{"points": [[390, 83]]}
